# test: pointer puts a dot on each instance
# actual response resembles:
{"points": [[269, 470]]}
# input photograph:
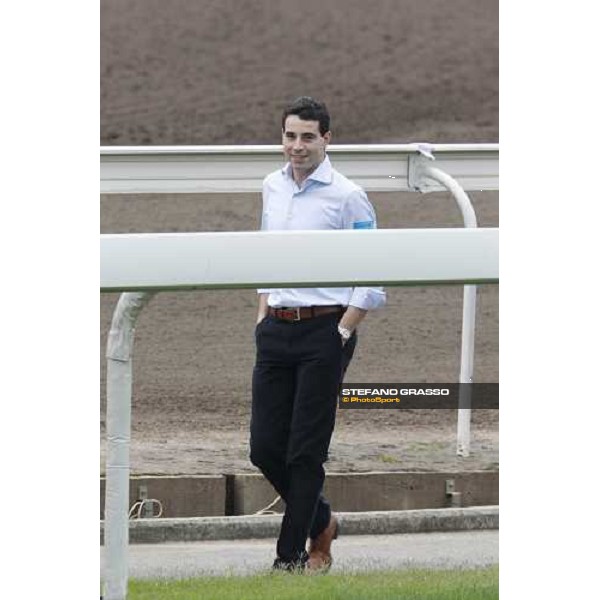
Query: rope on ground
{"points": [[135, 512], [267, 509]]}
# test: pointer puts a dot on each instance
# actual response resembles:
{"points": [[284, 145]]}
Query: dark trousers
{"points": [[299, 369]]}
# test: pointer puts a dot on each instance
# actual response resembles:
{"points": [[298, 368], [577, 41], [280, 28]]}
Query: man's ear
{"points": [[327, 137]]}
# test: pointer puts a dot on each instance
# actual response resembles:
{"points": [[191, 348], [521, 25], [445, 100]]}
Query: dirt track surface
{"points": [[219, 72]]}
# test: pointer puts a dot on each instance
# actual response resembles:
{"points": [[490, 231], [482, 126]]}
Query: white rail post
{"points": [[118, 435], [420, 169]]}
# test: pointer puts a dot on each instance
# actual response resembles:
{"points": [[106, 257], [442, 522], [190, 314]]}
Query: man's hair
{"points": [[308, 109]]}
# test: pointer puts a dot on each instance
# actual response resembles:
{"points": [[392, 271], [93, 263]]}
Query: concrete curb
{"points": [[153, 531]]}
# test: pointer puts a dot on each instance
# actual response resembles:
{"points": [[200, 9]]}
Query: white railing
{"points": [[141, 264], [209, 169], [187, 261]]}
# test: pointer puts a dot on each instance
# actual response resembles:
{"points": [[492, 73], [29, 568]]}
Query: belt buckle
{"points": [[295, 309]]}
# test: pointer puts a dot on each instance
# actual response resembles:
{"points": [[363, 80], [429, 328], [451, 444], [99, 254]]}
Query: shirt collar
{"points": [[323, 173]]}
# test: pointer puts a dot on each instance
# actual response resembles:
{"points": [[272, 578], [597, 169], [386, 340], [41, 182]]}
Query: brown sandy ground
{"points": [[218, 72]]}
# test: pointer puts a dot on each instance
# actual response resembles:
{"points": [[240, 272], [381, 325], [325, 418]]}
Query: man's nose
{"points": [[298, 144]]}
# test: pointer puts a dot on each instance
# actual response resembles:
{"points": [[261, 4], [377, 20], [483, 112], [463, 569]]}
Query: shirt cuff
{"points": [[367, 298], [263, 291]]}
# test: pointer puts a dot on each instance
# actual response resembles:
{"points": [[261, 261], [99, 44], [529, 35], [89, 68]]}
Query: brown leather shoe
{"points": [[319, 550]]}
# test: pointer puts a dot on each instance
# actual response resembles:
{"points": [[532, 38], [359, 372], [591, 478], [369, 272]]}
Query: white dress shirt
{"points": [[325, 200]]}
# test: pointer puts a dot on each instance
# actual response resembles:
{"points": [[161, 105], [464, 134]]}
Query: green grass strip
{"points": [[421, 584]]}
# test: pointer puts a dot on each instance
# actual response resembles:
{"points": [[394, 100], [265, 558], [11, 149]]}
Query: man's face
{"points": [[303, 144]]}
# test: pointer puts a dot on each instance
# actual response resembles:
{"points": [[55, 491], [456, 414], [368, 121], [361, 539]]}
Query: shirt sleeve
{"points": [[358, 213], [264, 226]]}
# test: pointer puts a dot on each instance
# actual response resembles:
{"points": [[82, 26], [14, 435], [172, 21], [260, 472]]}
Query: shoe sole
{"points": [[320, 571]]}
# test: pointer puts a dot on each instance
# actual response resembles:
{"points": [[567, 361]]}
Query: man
{"points": [[305, 340]]}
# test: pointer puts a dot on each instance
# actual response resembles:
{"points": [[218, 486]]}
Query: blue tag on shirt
{"points": [[362, 225]]}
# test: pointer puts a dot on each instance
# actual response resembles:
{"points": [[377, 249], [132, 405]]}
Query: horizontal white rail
{"points": [[175, 261], [207, 169]]}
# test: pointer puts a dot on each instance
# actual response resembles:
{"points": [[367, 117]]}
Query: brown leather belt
{"points": [[298, 313]]}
